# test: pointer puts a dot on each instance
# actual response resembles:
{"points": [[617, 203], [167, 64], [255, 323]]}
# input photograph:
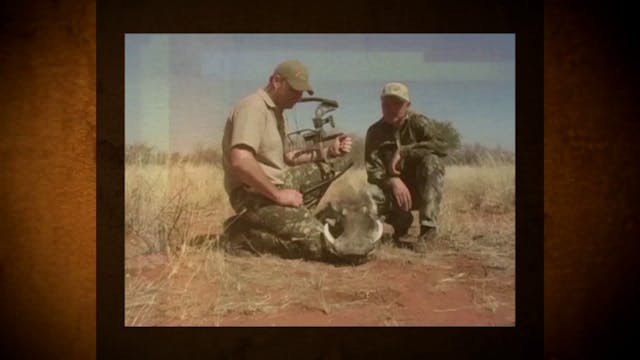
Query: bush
{"points": [[446, 132]]}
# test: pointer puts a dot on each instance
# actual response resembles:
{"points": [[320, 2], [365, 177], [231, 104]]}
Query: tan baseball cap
{"points": [[296, 75], [396, 89]]}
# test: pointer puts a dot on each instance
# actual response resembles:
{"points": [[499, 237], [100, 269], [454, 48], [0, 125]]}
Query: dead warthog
{"points": [[352, 231]]}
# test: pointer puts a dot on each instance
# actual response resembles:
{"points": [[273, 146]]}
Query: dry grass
{"points": [[165, 206], [164, 203]]}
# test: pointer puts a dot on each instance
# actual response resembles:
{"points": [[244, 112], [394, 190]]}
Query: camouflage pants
{"points": [[424, 176], [266, 227]]}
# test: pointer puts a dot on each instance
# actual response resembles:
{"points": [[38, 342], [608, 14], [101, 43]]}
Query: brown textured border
{"points": [[47, 179], [590, 208]]}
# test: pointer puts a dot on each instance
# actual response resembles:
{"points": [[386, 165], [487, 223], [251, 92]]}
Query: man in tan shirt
{"points": [[265, 181]]}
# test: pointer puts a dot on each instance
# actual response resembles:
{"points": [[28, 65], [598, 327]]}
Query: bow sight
{"points": [[317, 135]]}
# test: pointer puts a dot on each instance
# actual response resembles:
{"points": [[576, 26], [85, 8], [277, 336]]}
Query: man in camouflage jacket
{"points": [[402, 158]]}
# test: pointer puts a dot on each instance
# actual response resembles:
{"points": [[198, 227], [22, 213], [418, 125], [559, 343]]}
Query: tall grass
{"points": [[163, 202]]}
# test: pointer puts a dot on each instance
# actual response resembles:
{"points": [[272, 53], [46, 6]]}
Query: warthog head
{"points": [[351, 231]]}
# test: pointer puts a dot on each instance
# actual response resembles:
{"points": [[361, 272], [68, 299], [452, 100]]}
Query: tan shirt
{"points": [[256, 123]]}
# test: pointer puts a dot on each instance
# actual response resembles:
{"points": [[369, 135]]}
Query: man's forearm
{"points": [[435, 146], [298, 157], [249, 172], [385, 182]]}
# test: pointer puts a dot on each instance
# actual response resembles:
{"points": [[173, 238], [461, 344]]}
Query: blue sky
{"points": [[179, 88]]}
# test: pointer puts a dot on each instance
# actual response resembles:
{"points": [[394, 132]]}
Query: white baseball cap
{"points": [[396, 89]]}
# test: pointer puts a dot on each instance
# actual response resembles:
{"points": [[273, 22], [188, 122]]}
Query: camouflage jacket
{"points": [[417, 136]]}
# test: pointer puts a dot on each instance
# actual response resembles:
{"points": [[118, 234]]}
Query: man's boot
{"points": [[401, 222], [427, 235]]}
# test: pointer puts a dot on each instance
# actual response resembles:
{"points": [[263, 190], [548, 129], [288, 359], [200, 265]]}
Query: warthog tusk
{"points": [[327, 234], [379, 232]]}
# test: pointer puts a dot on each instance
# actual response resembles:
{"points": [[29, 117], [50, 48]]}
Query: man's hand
{"points": [[401, 193], [288, 197], [340, 145], [393, 164]]}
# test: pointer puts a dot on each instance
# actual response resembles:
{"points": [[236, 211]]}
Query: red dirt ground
{"points": [[455, 290]]}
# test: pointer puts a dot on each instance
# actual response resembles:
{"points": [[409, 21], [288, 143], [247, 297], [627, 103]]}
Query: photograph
{"points": [[320, 179]]}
